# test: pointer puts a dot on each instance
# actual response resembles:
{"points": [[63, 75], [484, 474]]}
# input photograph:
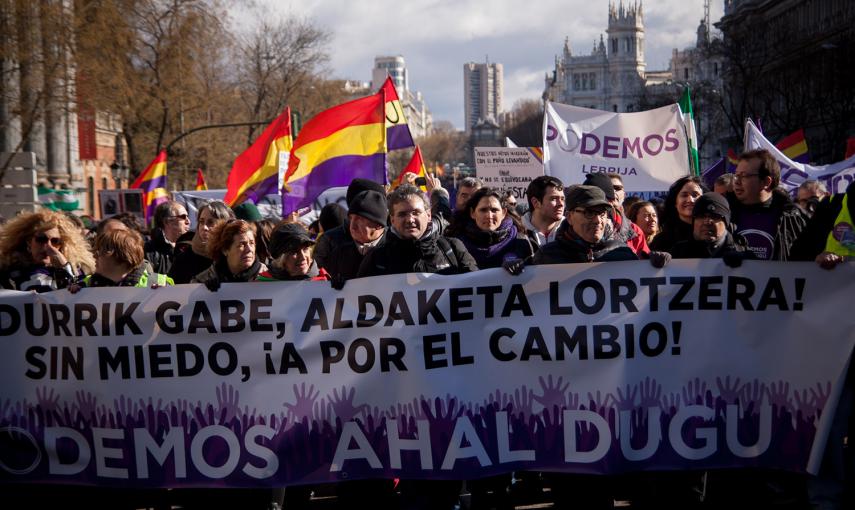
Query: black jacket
{"points": [[220, 271], [337, 252], [159, 252], [694, 249], [567, 248], [432, 253], [791, 222], [672, 234], [188, 264]]}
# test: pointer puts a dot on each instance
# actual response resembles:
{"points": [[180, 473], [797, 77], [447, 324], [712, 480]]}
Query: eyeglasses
{"points": [[56, 242], [740, 177], [592, 213], [182, 217], [617, 187]]}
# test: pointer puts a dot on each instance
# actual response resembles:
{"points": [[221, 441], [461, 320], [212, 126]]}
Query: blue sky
{"points": [[436, 37]]}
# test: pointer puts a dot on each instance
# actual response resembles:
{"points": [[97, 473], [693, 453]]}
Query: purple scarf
{"points": [[488, 246]]}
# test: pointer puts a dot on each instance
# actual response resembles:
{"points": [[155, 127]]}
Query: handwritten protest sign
{"points": [[595, 368], [508, 168]]}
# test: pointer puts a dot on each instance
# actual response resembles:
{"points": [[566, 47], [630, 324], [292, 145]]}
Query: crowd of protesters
{"points": [[748, 216]]}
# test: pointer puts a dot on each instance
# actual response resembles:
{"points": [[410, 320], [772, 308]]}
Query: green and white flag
{"points": [[58, 199], [691, 133]]}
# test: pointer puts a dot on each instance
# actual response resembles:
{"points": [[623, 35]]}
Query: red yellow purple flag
{"points": [[334, 147], [255, 173], [200, 180], [152, 181], [795, 147], [398, 134], [415, 166]]}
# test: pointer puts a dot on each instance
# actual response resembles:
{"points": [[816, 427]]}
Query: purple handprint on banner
{"points": [[86, 404], [523, 400], [670, 403], [779, 394], [49, 402], [553, 394], [625, 401], [343, 404], [651, 392], [228, 402], [443, 416], [694, 392], [820, 395], [727, 391], [304, 401]]}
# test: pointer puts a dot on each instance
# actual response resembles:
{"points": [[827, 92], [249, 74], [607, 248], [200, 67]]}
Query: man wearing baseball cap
{"points": [[582, 237]]}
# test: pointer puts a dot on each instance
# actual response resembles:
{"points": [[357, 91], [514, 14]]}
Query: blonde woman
{"points": [[42, 251]]}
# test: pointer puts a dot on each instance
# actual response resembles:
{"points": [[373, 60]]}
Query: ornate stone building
{"points": [[614, 75]]}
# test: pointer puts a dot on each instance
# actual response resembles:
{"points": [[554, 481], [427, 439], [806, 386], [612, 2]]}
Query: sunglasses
{"points": [[182, 217], [56, 242]]}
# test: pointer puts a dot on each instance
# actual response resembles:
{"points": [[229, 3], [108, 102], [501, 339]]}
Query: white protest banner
{"points": [[647, 149], [595, 368], [836, 176], [509, 168]]}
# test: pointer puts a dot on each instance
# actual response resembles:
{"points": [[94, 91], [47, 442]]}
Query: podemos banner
{"points": [[647, 149], [588, 368]]}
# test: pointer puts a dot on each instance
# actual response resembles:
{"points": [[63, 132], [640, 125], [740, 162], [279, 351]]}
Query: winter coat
{"points": [[159, 252], [220, 271], [432, 253], [569, 248], [492, 248], [791, 222]]}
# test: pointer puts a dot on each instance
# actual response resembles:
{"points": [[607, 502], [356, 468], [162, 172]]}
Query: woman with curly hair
{"points": [[42, 251], [232, 247]]}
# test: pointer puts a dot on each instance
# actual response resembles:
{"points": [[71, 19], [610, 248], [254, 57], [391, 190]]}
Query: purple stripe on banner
{"points": [[802, 158], [332, 173], [399, 137], [153, 184], [260, 189]]}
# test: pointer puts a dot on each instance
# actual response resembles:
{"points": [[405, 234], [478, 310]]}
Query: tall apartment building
{"points": [[482, 92], [415, 108], [394, 67]]}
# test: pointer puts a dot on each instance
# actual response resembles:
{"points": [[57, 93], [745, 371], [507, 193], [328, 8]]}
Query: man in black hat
{"points": [[332, 239], [291, 254], [710, 232], [582, 238], [621, 228]]}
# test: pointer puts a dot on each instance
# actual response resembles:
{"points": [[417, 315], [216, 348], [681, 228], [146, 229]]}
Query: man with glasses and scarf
{"points": [[170, 222], [582, 237]]}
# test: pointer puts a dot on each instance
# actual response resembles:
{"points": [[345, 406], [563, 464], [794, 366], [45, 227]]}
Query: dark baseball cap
{"points": [[712, 203], [287, 238], [602, 181], [586, 196]]}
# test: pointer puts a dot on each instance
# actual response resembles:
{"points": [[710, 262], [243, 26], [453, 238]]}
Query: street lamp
{"points": [[118, 168]]}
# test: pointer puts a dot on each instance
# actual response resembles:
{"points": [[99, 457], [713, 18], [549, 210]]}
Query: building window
{"points": [[614, 108], [584, 82], [593, 81], [614, 46], [686, 73], [576, 82]]}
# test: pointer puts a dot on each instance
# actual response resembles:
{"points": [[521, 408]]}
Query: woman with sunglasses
{"points": [[42, 251]]}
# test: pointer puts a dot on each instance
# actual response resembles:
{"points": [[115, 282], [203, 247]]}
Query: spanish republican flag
{"points": [[795, 147], [416, 166], [398, 134], [255, 173], [333, 148], [152, 181], [200, 180], [732, 161]]}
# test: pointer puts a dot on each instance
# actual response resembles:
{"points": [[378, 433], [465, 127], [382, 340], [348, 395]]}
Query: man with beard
{"points": [[711, 238]]}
